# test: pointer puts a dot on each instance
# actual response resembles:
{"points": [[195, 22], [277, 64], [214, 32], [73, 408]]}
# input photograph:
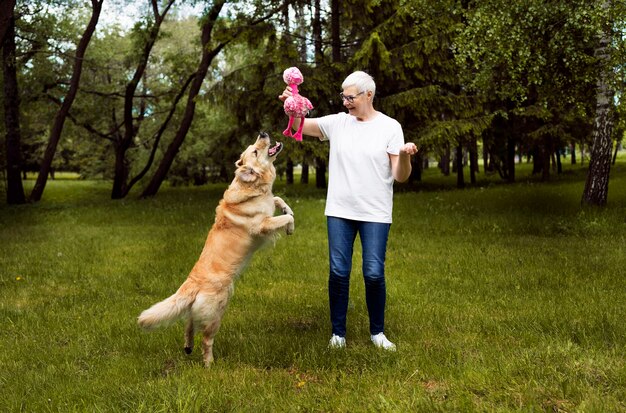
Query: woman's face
{"points": [[356, 102]]}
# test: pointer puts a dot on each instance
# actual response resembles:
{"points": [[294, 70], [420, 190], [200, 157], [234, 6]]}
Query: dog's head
{"points": [[256, 163]]}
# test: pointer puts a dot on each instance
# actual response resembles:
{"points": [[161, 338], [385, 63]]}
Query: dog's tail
{"points": [[169, 310]]}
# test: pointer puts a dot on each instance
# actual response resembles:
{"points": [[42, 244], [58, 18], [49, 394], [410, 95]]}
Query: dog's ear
{"points": [[246, 175]]}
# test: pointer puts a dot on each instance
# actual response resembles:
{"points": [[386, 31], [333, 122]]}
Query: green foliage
{"points": [[455, 131], [374, 52], [209, 151], [549, 46]]}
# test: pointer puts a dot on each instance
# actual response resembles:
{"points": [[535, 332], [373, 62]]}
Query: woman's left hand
{"points": [[409, 148]]}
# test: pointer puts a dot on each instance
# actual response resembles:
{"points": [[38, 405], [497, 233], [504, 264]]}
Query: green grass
{"points": [[500, 298]]}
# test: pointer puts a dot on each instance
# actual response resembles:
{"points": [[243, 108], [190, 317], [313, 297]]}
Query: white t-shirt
{"points": [[360, 182]]}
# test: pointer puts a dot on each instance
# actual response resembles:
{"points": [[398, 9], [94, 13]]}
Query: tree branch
{"points": [[84, 125], [159, 133]]}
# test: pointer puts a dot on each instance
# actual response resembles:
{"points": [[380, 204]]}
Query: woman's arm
{"points": [[401, 163]]}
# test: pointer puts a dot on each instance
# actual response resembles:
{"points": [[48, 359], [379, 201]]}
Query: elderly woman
{"points": [[367, 153]]}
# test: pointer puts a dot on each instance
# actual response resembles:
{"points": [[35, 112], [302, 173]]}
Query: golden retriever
{"points": [[244, 220]]}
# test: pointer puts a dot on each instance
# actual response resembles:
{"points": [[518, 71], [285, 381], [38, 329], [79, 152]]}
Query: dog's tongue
{"points": [[274, 150]]}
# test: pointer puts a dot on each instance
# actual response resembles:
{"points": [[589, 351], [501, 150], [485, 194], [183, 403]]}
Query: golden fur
{"points": [[244, 220]]}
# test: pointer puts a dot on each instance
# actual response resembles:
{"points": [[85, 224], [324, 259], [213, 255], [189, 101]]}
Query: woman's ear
{"points": [[239, 163]]}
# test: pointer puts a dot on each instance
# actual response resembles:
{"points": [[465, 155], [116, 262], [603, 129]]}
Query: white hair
{"points": [[361, 80]]}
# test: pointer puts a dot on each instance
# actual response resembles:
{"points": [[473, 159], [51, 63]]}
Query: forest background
{"points": [[173, 91]]}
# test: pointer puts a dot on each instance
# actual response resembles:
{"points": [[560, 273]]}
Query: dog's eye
{"points": [[255, 153]]}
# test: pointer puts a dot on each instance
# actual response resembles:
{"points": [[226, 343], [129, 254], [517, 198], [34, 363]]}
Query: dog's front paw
{"points": [[287, 210], [290, 226]]}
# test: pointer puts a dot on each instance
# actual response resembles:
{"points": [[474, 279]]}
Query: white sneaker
{"points": [[337, 342], [381, 341]]}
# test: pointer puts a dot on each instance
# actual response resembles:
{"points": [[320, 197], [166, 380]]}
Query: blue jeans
{"points": [[341, 236]]}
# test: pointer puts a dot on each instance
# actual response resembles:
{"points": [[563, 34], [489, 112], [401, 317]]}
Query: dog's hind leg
{"points": [[189, 333], [208, 311], [207, 346]]}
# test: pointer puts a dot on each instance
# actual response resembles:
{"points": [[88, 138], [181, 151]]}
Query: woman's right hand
{"points": [[286, 93]]}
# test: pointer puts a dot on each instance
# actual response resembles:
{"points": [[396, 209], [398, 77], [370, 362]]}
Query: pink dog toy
{"points": [[296, 106]]}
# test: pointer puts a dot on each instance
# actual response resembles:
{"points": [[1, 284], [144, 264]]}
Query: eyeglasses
{"points": [[349, 98]]}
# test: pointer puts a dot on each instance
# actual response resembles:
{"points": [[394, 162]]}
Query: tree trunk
{"points": [[15, 189], [207, 57], [460, 180], [582, 154], [304, 176], [454, 155], [334, 30], [286, 19], [492, 159], [473, 157], [320, 162], [289, 171], [537, 159], [122, 166], [510, 159], [6, 18], [121, 172], [545, 162], [487, 166], [302, 27], [444, 163], [573, 149], [317, 32], [59, 120], [320, 173], [597, 184], [159, 133], [417, 162]]}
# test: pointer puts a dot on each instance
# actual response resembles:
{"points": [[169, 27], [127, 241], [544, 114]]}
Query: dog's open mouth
{"points": [[275, 150]]}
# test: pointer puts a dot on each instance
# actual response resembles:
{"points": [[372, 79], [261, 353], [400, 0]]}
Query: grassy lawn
{"points": [[500, 298]]}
